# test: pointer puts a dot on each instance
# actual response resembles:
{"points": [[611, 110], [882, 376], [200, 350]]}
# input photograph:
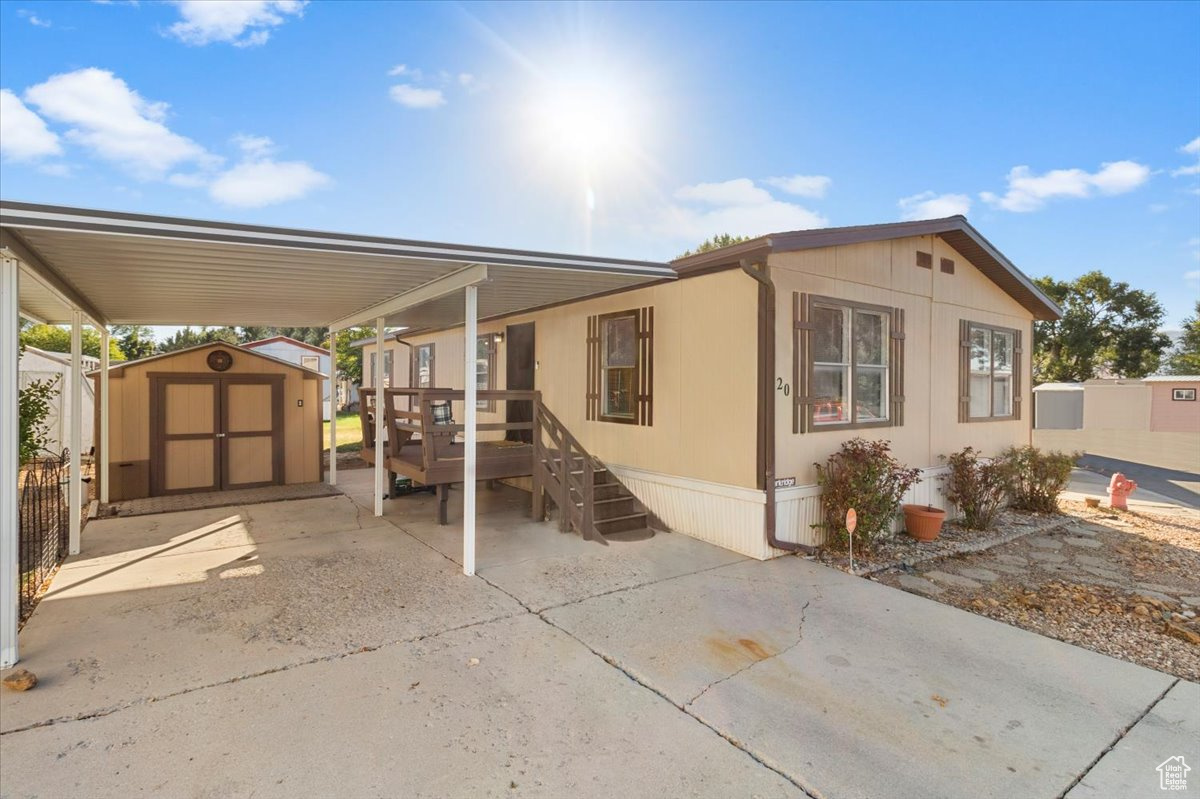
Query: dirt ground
{"points": [[1126, 584]]}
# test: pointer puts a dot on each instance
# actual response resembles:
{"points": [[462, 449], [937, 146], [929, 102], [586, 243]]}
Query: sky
{"points": [[1069, 134]]}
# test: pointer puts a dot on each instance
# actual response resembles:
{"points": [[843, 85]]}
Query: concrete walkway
{"points": [[308, 649]]}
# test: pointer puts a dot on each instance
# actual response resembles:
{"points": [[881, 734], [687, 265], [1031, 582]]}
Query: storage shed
{"points": [[1058, 406], [212, 418]]}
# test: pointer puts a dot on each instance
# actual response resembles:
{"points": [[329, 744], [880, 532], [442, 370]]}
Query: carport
{"points": [[77, 266]]}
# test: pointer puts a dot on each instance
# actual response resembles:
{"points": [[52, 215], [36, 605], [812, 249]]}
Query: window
{"points": [[1183, 394], [485, 369], [620, 366], [387, 369], [989, 379], [848, 367], [422, 366], [311, 362]]}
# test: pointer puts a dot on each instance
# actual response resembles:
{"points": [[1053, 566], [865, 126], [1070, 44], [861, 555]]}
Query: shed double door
{"points": [[216, 433]]}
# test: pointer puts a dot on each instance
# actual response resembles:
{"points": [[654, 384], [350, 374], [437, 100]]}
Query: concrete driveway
{"points": [[308, 649]]}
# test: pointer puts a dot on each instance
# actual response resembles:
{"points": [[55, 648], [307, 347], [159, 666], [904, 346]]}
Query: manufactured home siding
{"points": [[129, 390], [705, 376], [934, 302]]}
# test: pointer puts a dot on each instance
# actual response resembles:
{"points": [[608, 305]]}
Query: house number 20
{"points": [[782, 386]]}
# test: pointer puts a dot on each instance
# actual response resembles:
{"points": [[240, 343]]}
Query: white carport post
{"points": [[471, 384], [75, 489], [333, 406], [380, 420], [9, 456], [102, 458]]}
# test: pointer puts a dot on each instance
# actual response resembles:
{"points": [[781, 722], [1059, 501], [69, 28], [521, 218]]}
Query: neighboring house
{"points": [[1155, 420], [37, 364], [702, 393], [309, 356], [211, 418]]}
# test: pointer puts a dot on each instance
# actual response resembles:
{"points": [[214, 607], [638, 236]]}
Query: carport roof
{"points": [[124, 268]]}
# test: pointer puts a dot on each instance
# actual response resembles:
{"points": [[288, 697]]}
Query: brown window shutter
{"points": [[896, 367], [1017, 352], [593, 368], [964, 370], [801, 368], [646, 366]]}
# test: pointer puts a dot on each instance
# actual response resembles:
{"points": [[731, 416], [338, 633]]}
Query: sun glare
{"points": [[585, 124]]}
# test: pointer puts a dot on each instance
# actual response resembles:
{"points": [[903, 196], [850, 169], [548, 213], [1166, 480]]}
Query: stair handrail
{"points": [[581, 518]]}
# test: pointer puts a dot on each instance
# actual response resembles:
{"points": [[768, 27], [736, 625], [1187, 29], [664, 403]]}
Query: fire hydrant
{"points": [[1119, 489]]}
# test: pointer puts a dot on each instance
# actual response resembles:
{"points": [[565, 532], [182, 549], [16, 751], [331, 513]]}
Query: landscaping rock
{"points": [[1089, 543], [1194, 601], [1011, 560], [1092, 560], [980, 574], [918, 585], [952, 579], [1042, 542], [1047, 557], [20, 680]]}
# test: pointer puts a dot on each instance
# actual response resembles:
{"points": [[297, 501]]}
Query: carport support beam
{"points": [[9, 460], [75, 488], [471, 384], [102, 451], [333, 387], [380, 417]]}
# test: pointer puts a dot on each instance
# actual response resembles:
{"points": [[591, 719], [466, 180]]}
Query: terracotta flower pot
{"points": [[923, 522]]}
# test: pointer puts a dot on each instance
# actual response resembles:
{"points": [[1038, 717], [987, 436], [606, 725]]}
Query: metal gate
{"points": [[44, 532]]}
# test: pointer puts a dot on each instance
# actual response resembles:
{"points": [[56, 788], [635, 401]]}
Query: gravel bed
{"points": [[1126, 584], [903, 550]]}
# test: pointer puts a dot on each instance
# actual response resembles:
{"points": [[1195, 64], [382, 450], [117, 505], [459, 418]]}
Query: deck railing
{"points": [[566, 471]]}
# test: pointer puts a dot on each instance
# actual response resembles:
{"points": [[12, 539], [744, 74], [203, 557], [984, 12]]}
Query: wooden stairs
{"points": [[589, 499]]}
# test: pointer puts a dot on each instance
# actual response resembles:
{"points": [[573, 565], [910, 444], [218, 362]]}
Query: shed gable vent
{"points": [[925, 260], [948, 266]]}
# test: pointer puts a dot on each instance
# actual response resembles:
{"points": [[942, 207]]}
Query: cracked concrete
{"points": [[323, 652]]}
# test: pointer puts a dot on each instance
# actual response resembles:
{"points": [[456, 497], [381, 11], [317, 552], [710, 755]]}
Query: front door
{"points": [[519, 367], [214, 433]]}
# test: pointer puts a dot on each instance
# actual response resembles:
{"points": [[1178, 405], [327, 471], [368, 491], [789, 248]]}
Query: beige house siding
{"points": [[886, 274], [704, 387]]}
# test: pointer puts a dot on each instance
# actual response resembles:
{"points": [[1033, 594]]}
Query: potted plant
{"points": [[923, 522]]}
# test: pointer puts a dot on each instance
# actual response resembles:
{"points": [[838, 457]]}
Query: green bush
{"points": [[1036, 478], [863, 475], [33, 408], [977, 487]]}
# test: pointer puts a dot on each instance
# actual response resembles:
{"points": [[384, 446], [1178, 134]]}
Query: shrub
{"points": [[1036, 478], [863, 475], [34, 403], [977, 487]]}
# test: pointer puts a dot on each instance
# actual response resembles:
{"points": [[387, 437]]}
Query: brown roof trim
{"points": [[954, 230], [117, 368], [288, 339]]}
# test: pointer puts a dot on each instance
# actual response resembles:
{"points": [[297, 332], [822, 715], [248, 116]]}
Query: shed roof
{"points": [[1172, 379], [251, 345], [309, 374], [1059, 387], [954, 230]]}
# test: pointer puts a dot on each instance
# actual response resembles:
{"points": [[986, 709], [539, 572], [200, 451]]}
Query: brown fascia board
{"points": [[115, 369], [954, 230]]}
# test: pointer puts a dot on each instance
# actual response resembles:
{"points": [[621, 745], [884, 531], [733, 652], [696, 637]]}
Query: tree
{"points": [[349, 359], [54, 338], [1185, 357], [187, 337], [309, 335], [34, 404], [715, 243], [1107, 329], [135, 341]]}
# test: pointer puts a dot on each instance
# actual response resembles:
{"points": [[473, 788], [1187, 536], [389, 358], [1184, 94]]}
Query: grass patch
{"points": [[349, 433]]}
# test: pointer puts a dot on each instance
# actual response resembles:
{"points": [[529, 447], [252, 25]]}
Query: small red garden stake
{"points": [[851, 523]]}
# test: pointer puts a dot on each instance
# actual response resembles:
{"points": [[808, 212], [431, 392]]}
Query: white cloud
{"points": [[413, 97], [57, 170], [929, 205], [405, 70], [737, 207], [242, 23], [803, 185], [115, 122], [1029, 192], [740, 191], [33, 18], [252, 184], [1191, 148], [23, 134], [259, 180]]}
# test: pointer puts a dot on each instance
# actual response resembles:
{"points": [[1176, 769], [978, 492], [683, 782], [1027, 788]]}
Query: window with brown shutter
{"points": [[848, 364], [620, 364], [989, 372]]}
